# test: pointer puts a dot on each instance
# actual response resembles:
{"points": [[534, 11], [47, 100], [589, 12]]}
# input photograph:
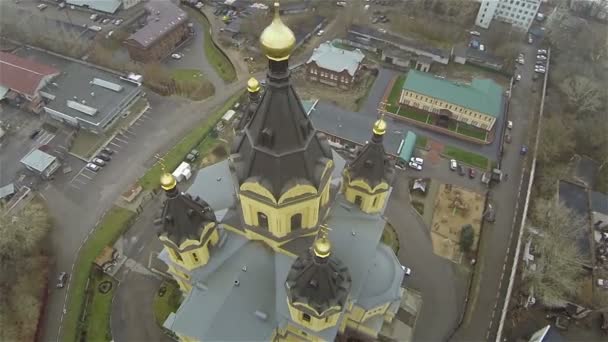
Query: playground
{"points": [[454, 208]]}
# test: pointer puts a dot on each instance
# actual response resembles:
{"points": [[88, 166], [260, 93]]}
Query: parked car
{"points": [[475, 33], [541, 57], [508, 138], [62, 279], [540, 70], [98, 162], [415, 166], [105, 21], [518, 77], [406, 270], [190, 157], [41, 7], [482, 47], [104, 157], [471, 173], [93, 167], [117, 22], [176, 56], [107, 151], [523, 150], [520, 60], [320, 33], [510, 124], [35, 134], [460, 170], [417, 160], [453, 164], [541, 52], [530, 40], [93, 16]]}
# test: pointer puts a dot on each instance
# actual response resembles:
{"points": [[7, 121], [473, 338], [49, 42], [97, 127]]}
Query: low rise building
{"points": [[333, 66], [478, 104], [41, 163], [165, 29], [106, 6], [88, 98], [21, 80], [296, 7], [464, 54], [519, 13]]}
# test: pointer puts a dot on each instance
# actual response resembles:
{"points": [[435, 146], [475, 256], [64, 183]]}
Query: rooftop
{"points": [[598, 202], [482, 95], [586, 171], [163, 17], [107, 6], [329, 57], [23, 75], [38, 160], [575, 197]]}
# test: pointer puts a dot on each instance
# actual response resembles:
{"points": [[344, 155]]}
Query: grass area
{"points": [[393, 97], [106, 233], [97, 321], [167, 300], [150, 180], [86, 143], [187, 75], [472, 132], [421, 141], [452, 125], [192, 84], [390, 238], [414, 115], [216, 58], [466, 157]]}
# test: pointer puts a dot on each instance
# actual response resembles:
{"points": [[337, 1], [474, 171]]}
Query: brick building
{"points": [[334, 66], [21, 80], [166, 28]]}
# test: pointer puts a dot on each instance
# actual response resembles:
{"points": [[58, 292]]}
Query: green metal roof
{"points": [[482, 95], [408, 146]]}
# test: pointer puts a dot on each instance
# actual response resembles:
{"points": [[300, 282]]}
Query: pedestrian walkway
{"points": [[434, 154]]}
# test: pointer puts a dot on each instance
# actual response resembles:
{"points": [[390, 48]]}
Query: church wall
{"points": [[369, 203], [313, 323]]}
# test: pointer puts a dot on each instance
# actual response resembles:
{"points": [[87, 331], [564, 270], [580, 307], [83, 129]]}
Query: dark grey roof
{"points": [[371, 164], [398, 40], [320, 284], [279, 146], [599, 202], [184, 217], [215, 184], [483, 56], [460, 51], [163, 17], [574, 197], [295, 6], [586, 171]]}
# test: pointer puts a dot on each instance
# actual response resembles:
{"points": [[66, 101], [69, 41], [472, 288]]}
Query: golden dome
{"points": [[322, 247], [380, 126], [253, 86], [277, 39], [167, 181]]}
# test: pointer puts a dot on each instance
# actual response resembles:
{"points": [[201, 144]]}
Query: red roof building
{"points": [[24, 76]]}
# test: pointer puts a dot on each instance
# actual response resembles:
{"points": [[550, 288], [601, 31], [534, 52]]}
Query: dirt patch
{"points": [[454, 208], [350, 99]]}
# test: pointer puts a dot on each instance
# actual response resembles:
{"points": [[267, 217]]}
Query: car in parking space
{"points": [[472, 173], [415, 166], [320, 33], [62, 279], [518, 77], [417, 160], [94, 16], [510, 124], [508, 138], [460, 170], [541, 52], [520, 60], [523, 150], [540, 70], [475, 33], [541, 57], [105, 21], [107, 151], [98, 162], [453, 164], [104, 157], [176, 56], [93, 167], [117, 22]]}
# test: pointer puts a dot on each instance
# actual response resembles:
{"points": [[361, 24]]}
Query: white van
{"points": [[453, 164]]}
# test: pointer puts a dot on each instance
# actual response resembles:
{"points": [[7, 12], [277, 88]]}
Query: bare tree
{"points": [[559, 260], [22, 232], [556, 141], [584, 95]]}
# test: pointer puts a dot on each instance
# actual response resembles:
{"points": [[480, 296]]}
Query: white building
{"points": [[519, 13]]}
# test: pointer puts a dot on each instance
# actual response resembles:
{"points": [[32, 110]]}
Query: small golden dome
{"points": [[253, 86], [167, 181], [277, 39], [322, 247], [380, 126]]}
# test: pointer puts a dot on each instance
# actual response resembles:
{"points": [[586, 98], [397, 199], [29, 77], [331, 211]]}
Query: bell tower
{"points": [[282, 164]]}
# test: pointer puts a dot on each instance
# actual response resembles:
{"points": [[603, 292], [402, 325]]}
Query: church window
{"points": [[358, 200], [306, 317], [195, 257], [296, 221], [262, 220], [375, 201]]}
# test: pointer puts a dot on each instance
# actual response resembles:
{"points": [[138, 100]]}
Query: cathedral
{"points": [[281, 241]]}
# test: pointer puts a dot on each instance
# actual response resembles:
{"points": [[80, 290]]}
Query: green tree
{"points": [[558, 258], [21, 232], [467, 237]]}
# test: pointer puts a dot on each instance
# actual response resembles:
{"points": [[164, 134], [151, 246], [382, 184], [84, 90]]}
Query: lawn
{"points": [[167, 300], [115, 221], [465, 157], [471, 131], [393, 97], [187, 75], [97, 322], [150, 180], [192, 84], [414, 115], [421, 141], [216, 58]]}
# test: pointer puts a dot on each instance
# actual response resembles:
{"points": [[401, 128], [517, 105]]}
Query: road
{"points": [[495, 256]]}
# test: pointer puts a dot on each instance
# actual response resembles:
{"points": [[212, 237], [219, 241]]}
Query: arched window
{"points": [[296, 221], [262, 220], [358, 200], [306, 317]]}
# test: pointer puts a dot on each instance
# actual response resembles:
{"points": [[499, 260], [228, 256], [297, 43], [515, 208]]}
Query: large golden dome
{"points": [[277, 39], [380, 126]]}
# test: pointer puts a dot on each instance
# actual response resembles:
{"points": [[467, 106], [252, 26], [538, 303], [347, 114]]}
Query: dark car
{"points": [[35, 134], [471, 173], [107, 151], [524, 150], [508, 138], [460, 170], [104, 157]]}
